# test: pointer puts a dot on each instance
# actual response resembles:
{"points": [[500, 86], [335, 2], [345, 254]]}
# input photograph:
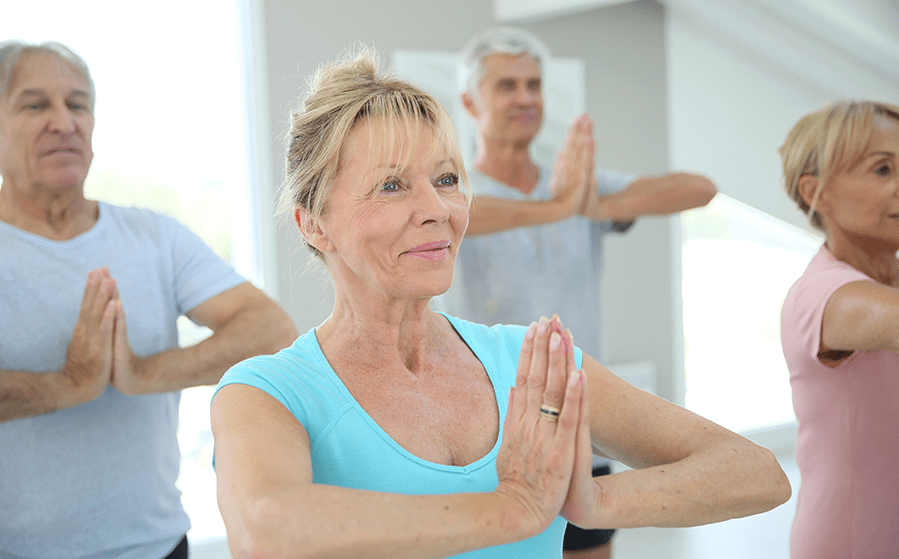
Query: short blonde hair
{"points": [[340, 95], [828, 142]]}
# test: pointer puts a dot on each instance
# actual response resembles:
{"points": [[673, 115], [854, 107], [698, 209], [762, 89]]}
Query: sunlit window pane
{"points": [[738, 264], [170, 135]]}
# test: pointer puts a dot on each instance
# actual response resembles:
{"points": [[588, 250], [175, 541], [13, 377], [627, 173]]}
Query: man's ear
{"points": [[313, 234], [807, 188], [470, 104]]}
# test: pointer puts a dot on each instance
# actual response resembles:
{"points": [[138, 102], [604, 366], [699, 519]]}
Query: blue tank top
{"points": [[349, 449]]}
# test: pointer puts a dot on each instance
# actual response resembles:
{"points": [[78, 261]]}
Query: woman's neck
{"points": [[379, 334], [875, 258]]}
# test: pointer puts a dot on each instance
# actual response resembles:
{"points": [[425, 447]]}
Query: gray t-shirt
{"points": [[516, 276], [97, 480]]}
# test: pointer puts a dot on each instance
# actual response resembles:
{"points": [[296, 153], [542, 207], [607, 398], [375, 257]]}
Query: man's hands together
{"points": [[99, 353]]}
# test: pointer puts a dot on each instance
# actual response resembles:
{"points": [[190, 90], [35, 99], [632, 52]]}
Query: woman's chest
{"points": [[447, 416]]}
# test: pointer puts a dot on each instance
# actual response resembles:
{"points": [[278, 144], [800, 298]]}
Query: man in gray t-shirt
{"points": [[90, 368], [534, 238]]}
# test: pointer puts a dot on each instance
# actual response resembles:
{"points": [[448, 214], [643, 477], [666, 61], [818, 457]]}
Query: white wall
{"points": [[741, 75]]}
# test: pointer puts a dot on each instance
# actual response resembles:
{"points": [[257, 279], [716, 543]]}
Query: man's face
{"points": [[46, 124], [509, 105]]}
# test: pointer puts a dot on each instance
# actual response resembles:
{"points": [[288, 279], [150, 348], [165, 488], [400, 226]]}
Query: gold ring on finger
{"points": [[549, 413]]}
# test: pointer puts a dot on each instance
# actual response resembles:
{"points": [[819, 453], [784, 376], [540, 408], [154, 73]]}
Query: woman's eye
{"points": [[883, 170], [448, 180], [390, 186]]}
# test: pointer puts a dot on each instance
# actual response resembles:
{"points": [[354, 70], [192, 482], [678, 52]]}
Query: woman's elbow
{"points": [[256, 535], [773, 488]]}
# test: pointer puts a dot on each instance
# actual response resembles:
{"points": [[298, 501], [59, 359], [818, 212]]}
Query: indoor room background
{"points": [[196, 95]]}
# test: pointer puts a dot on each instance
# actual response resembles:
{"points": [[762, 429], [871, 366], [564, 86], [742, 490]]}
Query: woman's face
{"points": [[395, 215], [863, 202]]}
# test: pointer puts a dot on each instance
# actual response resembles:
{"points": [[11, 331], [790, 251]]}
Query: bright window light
{"points": [[738, 264], [170, 135]]}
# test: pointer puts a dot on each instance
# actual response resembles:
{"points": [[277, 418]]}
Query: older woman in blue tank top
{"points": [[391, 430]]}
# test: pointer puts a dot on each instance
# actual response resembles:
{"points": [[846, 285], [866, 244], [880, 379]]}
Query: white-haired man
{"points": [[88, 405], [534, 241]]}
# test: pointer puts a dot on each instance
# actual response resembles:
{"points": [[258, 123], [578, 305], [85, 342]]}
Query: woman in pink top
{"points": [[840, 332]]}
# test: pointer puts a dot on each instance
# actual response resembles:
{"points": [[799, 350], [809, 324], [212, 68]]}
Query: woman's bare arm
{"points": [[861, 315], [687, 470]]}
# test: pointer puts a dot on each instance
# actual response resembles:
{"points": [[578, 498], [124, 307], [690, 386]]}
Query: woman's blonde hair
{"points": [[827, 142], [340, 95]]}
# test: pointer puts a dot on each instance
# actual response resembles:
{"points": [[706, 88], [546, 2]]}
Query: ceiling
{"points": [[864, 32]]}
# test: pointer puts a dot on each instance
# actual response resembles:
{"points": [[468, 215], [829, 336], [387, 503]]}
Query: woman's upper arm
{"points": [[861, 315], [639, 429], [260, 448]]}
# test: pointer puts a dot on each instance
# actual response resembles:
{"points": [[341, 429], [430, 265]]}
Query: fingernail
{"points": [[544, 323], [573, 378], [532, 329], [555, 340]]}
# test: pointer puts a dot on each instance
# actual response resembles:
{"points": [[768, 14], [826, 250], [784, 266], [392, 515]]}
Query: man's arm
{"points": [[569, 183], [489, 214], [658, 195], [244, 321]]}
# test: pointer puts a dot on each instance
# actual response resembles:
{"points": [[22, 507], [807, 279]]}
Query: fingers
{"points": [[524, 367], [537, 376], [88, 364], [124, 373], [573, 163], [556, 372], [121, 328], [537, 456], [545, 364]]}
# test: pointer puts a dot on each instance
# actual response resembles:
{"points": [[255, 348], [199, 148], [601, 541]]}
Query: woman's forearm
{"points": [[724, 479], [323, 521]]}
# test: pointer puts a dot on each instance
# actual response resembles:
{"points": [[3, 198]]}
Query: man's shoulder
{"points": [[137, 218]]}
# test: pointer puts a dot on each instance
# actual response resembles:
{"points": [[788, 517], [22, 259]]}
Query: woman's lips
{"points": [[430, 251]]}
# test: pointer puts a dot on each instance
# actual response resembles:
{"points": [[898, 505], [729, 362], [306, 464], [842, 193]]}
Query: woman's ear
{"points": [[808, 190], [310, 228]]}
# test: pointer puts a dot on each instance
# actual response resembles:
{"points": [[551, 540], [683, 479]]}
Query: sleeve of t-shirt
{"points": [[610, 182], [277, 376], [199, 273], [803, 311]]}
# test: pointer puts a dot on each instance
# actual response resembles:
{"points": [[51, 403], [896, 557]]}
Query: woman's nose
{"points": [[430, 205]]}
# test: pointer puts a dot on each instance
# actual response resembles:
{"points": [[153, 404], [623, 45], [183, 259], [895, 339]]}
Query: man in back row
{"points": [[88, 399], [534, 237]]}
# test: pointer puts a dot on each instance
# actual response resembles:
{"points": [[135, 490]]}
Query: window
{"points": [[738, 264], [170, 135]]}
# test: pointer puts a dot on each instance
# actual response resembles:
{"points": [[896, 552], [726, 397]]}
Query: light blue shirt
{"points": [[349, 449], [97, 480], [518, 275]]}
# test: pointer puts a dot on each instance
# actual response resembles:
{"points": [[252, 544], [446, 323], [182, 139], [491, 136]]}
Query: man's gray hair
{"points": [[496, 40], [12, 51]]}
